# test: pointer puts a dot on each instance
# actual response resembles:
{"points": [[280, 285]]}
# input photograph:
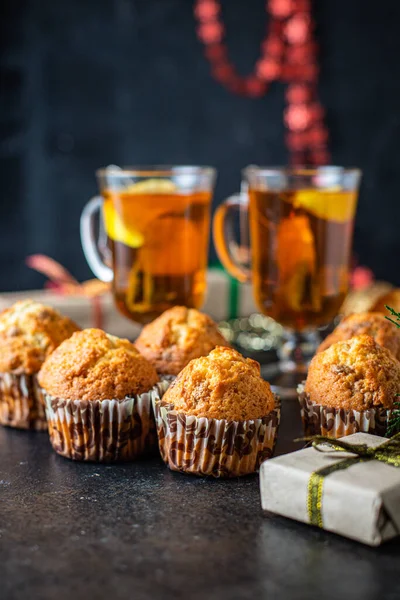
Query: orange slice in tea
{"points": [[172, 247], [328, 204], [295, 246], [296, 261]]}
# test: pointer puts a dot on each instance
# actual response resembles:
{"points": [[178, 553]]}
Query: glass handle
{"points": [[228, 250], [89, 242]]}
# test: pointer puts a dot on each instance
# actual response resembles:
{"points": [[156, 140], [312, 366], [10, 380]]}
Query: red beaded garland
{"points": [[288, 54]]}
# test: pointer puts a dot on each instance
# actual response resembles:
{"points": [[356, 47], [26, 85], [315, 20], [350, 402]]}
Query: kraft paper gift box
{"points": [[360, 501], [224, 298], [80, 309]]}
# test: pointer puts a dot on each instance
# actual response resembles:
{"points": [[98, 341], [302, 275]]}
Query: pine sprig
{"points": [[394, 421], [394, 314]]}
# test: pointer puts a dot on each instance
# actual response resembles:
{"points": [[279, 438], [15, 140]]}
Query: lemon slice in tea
{"points": [[329, 204], [126, 225], [117, 230], [152, 186]]}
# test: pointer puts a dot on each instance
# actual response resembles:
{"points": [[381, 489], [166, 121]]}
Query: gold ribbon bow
{"points": [[388, 453]]}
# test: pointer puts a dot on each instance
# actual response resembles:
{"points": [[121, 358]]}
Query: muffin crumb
{"points": [[176, 337], [391, 298], [375, 324], [29, 332], [354, 374], [222, 385], [93, 365]]}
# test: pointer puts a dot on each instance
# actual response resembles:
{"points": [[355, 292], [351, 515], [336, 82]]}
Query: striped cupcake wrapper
{"points": [[338, 422], [21, 402], [216, 447], [104, 430]]}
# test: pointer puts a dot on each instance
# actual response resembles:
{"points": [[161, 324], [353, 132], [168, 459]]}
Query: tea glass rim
{"points": [[156, 170], [299, 170]]}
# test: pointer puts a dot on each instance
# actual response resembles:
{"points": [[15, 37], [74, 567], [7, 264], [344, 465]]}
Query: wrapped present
{"points": [[81, 309], [91, 304], [349, 486], [226, 298]]}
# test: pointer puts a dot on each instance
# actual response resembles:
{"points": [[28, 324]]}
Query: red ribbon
{"points": [[62, 282]]}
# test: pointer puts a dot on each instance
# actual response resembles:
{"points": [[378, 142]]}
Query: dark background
{"points": [[85, 83]]}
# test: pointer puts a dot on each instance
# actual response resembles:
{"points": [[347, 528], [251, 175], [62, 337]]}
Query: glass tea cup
{"points": [[301, 229], [154, 235]]}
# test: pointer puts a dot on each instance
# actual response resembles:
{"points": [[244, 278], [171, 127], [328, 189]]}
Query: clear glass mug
{"points": [[154, 236], [301, 229]]}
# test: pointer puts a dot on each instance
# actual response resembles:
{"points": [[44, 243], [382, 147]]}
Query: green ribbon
{"points": [[233, 294], [234, 291], [388, 453]]}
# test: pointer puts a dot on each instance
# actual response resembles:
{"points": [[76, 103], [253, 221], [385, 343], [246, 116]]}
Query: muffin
{"points": [[176, 337], [392, 299], [350, 387], [375, 324], [29, 333], [98, 392], [365, 299], [219, 417]]}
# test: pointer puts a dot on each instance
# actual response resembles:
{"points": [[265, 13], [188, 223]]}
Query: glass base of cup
{"points": [[283, 383], [294, 357]]}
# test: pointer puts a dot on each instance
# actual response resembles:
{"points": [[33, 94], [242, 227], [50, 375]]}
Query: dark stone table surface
{"points": [[81, 531]]}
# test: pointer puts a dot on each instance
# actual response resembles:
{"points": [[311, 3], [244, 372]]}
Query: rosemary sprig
{"points": [[394, 421], [395, 314]]}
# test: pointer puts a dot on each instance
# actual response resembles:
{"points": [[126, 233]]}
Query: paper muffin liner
{"points": [[21, 402], [104, 430], [168, 378], [339, 422], [216, 447]]}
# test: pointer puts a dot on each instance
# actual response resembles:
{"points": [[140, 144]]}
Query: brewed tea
{"points": [[159, 242], [300, 253]]}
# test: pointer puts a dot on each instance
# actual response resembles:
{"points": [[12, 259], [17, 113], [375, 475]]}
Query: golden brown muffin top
{"points": [[391, 299], [364, 299], [177, 336], [375, 324], [29, 332], [93, 365], [222, 385], [357, 373]]}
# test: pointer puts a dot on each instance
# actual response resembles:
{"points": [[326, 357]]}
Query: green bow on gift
{"points": [[388, 453]]}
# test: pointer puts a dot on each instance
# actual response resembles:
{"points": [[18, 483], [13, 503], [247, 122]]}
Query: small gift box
{"points": [[91, 304], [84, 310], [226, 298], [349, 486]]}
